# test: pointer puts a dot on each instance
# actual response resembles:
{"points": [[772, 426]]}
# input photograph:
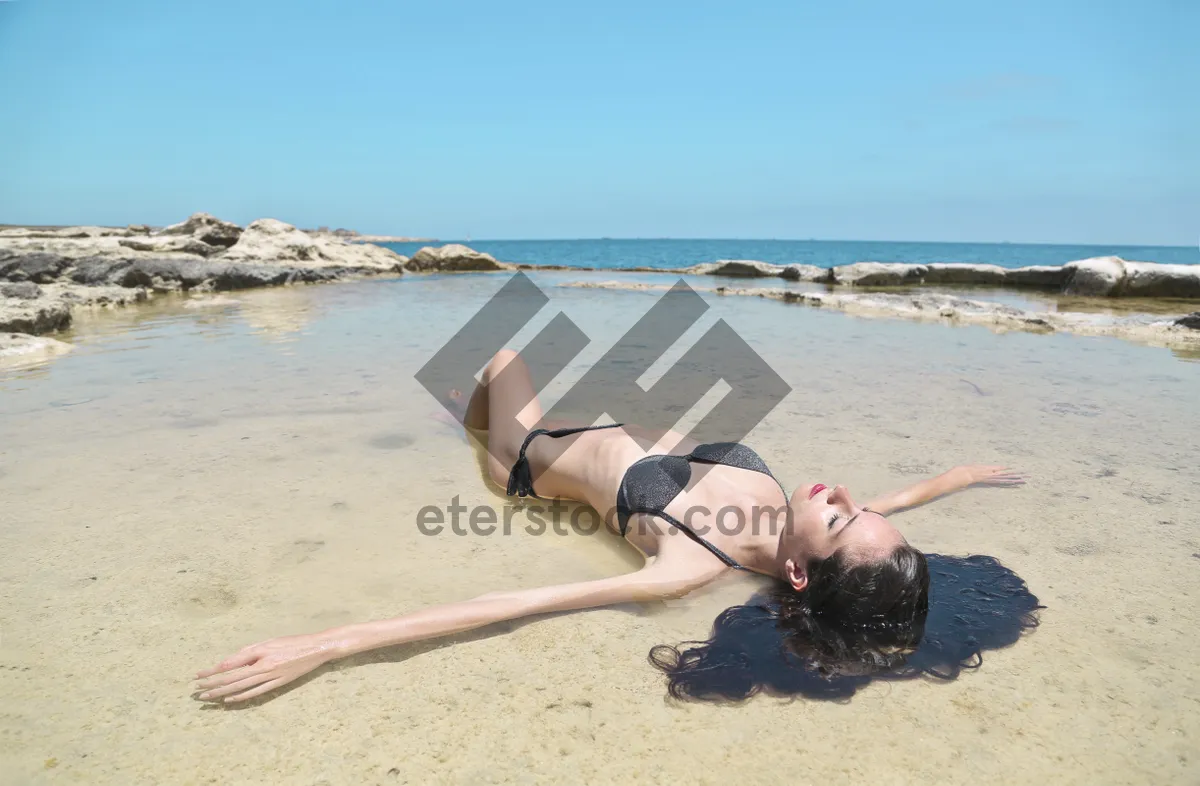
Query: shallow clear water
{"points": [[191, 480], [670, 253]]}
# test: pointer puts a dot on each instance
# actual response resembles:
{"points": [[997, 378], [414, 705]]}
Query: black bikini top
{"points": [[651, 483]]}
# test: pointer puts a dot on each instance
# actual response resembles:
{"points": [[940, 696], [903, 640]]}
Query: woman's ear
{"points": [[795, 575]]}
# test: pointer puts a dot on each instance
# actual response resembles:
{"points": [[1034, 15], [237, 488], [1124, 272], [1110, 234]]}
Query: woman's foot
{"points": [[455, 404], [453, 410], [452, 413]]}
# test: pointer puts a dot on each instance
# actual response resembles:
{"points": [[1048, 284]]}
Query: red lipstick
{"points": [[817, 489]]}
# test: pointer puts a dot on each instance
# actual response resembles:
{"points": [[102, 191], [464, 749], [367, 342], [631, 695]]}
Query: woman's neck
{"points": [[758, 548]]}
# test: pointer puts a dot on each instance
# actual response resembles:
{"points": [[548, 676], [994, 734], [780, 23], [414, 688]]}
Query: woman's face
{"points": [[826, 519]]}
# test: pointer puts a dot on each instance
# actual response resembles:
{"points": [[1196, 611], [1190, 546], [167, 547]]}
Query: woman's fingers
{"points": [[236, 686], [243, 658], [996, 475], [260, 690], [226, 677], [1004, 476]]}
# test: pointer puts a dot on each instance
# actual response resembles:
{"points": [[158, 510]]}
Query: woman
{"points": [[853, 594]]}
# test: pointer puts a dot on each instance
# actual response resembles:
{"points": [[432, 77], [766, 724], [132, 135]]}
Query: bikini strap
{"points": [[520, 479], [686, 530]]}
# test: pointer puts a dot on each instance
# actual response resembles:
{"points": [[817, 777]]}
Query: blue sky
{"points": [[1049, 121]]}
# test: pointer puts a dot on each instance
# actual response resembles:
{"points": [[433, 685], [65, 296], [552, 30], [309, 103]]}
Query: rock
{"points": [[741, 268], [103, 296], [159, 273], [52, 308], [1036, 276], [932, 307], [1098, 276], [166, 274], [62, 233], [138, 229], [95, 271], [246, 276], [36, 316], [795, 272], [878, 274], [12, 249], [1146, 279], [71, 248], [530, 266], [212, 301], [268, 241], [39, 267], [634, 269], [1192, 321], [452, 257], [168, 244], [15, 233], [207, 229], [26, 290], [18, 349], [242, 276], [959, 306], [185, 273], [969, 274]]}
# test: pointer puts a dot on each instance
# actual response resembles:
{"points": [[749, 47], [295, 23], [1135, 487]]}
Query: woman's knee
{"points": [[500, 361]]}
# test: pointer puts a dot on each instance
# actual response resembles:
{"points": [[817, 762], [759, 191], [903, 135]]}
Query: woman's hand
{"points": [[946, 483], [263, 667], [982, 475]]}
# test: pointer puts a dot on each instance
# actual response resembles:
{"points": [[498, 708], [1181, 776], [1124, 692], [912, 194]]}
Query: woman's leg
{"points": [[475, 416], [505, 393], [505, 405]]}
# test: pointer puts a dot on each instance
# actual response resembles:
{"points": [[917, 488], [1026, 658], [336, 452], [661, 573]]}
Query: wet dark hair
{"points": [[854, 623]]}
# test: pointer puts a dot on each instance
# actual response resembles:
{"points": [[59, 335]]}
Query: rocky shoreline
{"points": [[1097, 277], [46, 274], [1174, 332]]}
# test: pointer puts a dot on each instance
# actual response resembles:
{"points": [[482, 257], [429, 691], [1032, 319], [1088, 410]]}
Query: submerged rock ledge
{"points": [[19, 349], [1177, 332], [1098, 277]]}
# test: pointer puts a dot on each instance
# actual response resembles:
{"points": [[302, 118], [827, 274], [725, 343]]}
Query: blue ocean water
{"points": [[606, 253]]}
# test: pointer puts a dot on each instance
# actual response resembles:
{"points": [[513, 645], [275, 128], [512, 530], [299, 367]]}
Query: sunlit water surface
{"points": [[191, 480]]}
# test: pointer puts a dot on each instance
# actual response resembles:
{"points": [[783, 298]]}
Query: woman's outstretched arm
{"points": [[945, 483], [262, 667]]}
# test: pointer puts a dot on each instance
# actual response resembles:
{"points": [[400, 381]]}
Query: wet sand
{"points": [[191, 480]]}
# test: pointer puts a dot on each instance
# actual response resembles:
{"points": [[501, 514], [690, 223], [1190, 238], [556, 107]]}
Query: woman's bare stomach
{"points": [[590, 467]]}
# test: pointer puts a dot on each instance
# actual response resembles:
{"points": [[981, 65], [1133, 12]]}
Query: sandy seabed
{"points": [[191, 480]]}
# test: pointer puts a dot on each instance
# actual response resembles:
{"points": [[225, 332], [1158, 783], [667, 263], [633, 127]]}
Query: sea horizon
{"points": [[682, 252], [777, 239]]}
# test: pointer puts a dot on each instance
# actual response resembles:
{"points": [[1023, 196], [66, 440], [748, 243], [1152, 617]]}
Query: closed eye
{"points": [[834, 519]]}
